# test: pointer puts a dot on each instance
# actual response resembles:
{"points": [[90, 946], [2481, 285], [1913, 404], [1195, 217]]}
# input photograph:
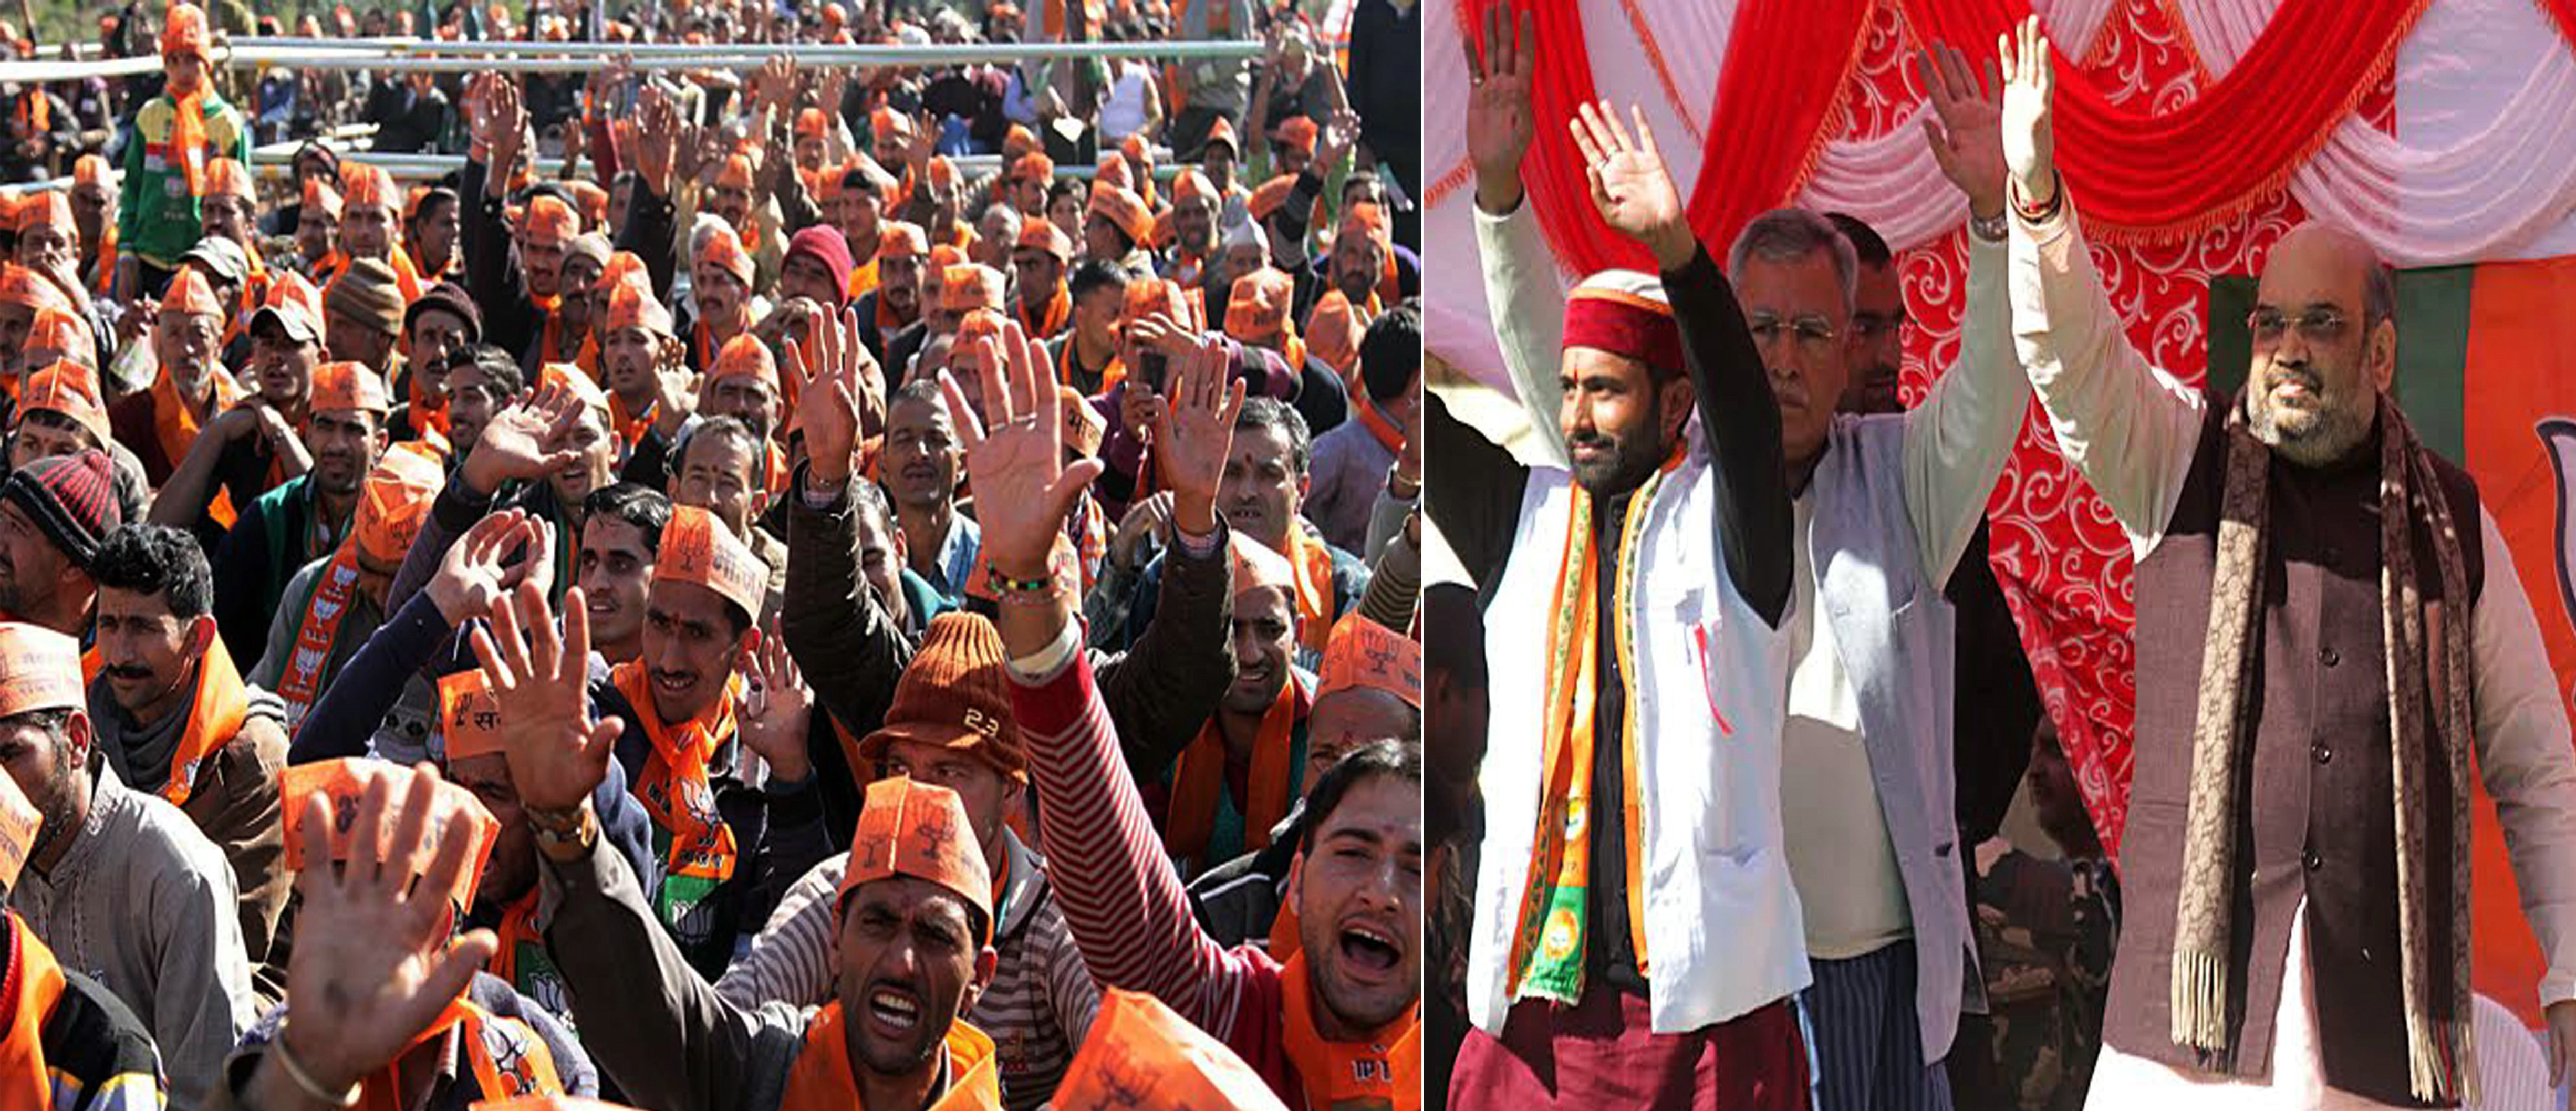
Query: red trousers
{"points": [[1602, 1054]]}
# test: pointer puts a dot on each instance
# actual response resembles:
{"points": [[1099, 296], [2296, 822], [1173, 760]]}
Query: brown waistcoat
{"points": [[2317, 818]]}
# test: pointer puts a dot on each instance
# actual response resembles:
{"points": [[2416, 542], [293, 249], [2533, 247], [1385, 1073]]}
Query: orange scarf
{"points": [[175, 427], [215, 716], [1381, 1069], [33, 984], [822, 1078], [1058, 313], [1547, 958], [887, 323], [333, 594], [675, 791], [1388, 436], [102, 278], [1110, 375], [35, 113], [1313, 561], [863, 277], [548, 345], [329, 268], [518, 928], [524, 1067], [188, 139], [1199, 778], [630, 429]]}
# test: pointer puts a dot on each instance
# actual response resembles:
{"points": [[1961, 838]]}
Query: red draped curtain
{"points": [[2140, 173]]}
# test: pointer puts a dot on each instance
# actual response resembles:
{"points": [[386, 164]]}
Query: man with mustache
{"points": [[67, 1027], [54, 514], [306, 519], [104, 853], [2336, 625], [895, 303], [920, 467], [176, 720], [161, 423]]}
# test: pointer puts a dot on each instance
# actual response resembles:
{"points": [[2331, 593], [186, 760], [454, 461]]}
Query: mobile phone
{"points": [[1150, 368]]}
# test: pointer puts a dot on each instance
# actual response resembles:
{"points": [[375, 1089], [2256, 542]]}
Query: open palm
{"points": [[1965, 126], [1500, 123], [2029, 150], [1023, 489], [1631, 189], [525, 442], [558, 752], [1195, 432]]}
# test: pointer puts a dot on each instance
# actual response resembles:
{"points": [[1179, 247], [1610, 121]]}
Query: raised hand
{"points": [[524, 443], [1965, 126], [1194, 434], [372, 966], [832, 376], [1340, 134], [657, 137], [470, 578], [1500, 124], [2029, 151], [558, 752], [506, 116], [1023, 489], [776, 707], [1631, 189], [1151, 517]]}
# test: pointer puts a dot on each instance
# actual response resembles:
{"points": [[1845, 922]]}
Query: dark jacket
{"points": [[268, 544], [1159, 693], [455, 1088]]}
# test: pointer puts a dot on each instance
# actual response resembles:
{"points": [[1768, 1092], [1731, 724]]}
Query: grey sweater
{"points": [[144, 904]]}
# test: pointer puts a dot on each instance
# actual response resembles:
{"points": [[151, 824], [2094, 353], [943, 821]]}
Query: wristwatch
{"points": [[563, 834], [1993, 228]]}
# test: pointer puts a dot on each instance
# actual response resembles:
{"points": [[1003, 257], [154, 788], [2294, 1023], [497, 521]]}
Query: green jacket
{"points": [[157, 218]]}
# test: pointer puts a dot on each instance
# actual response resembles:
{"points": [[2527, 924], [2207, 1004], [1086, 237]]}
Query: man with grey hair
{"points": [[1882, 508], [2295, 869]]}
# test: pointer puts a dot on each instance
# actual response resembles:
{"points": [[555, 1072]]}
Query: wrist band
{"points": [[1008, 585], [304, 1080]]}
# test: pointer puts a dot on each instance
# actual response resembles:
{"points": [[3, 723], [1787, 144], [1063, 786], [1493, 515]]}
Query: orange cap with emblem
{"points": [[365, 186], [1332, 331], [40, 669], [1298, 132], [392, 502], [1140, 1056], [1033, 167], [919, 830], [744, 356], [1257, 311], [27, 289], [351, 386], [51, 208], [572, 380], [1255, 565], [901, 239], [1363, 653], [699, 550], [189, 294], [228, 178], [736, 173], [318, 194], [89, 169], [631, 304], [70, 389], [469, 715], [1043, 235], [455, 812], [1147, 296], [723, 250], [183, 31], [55, 334], [1124, 210], [550, 220], [1084, 427], [970, 286]]}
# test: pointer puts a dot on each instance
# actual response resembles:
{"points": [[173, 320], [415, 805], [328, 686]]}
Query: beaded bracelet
{"points": [[1007, 585]]}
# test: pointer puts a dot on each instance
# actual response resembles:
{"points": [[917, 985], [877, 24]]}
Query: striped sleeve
{"points": [[1125, 906], [791, 961]]}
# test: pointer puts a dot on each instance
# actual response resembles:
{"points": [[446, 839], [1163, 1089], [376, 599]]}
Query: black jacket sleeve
{"points": [[1474, 493], [1170, 683], [850, 650], [1742, 421], [345, 718], [491, 272], [649, 220]]}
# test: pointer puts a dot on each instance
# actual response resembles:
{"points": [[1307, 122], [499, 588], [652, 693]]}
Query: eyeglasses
{"points": [[2317, 326], [1814, 335]]}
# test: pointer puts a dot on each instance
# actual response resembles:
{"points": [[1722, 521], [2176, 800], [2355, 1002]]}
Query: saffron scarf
{"points": [[1198, 780], [30, 987], [675, 791], [630, 429], [1046, 324], [188, 139], [507, 1058], [822, 1080], [1384, 431], [1313, 561], [1547, 947], [1067, 363], [175, 426], [549, 343], [521, 959], [333, 594], [215, 716], [1382, 1068], [103, 267]]}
